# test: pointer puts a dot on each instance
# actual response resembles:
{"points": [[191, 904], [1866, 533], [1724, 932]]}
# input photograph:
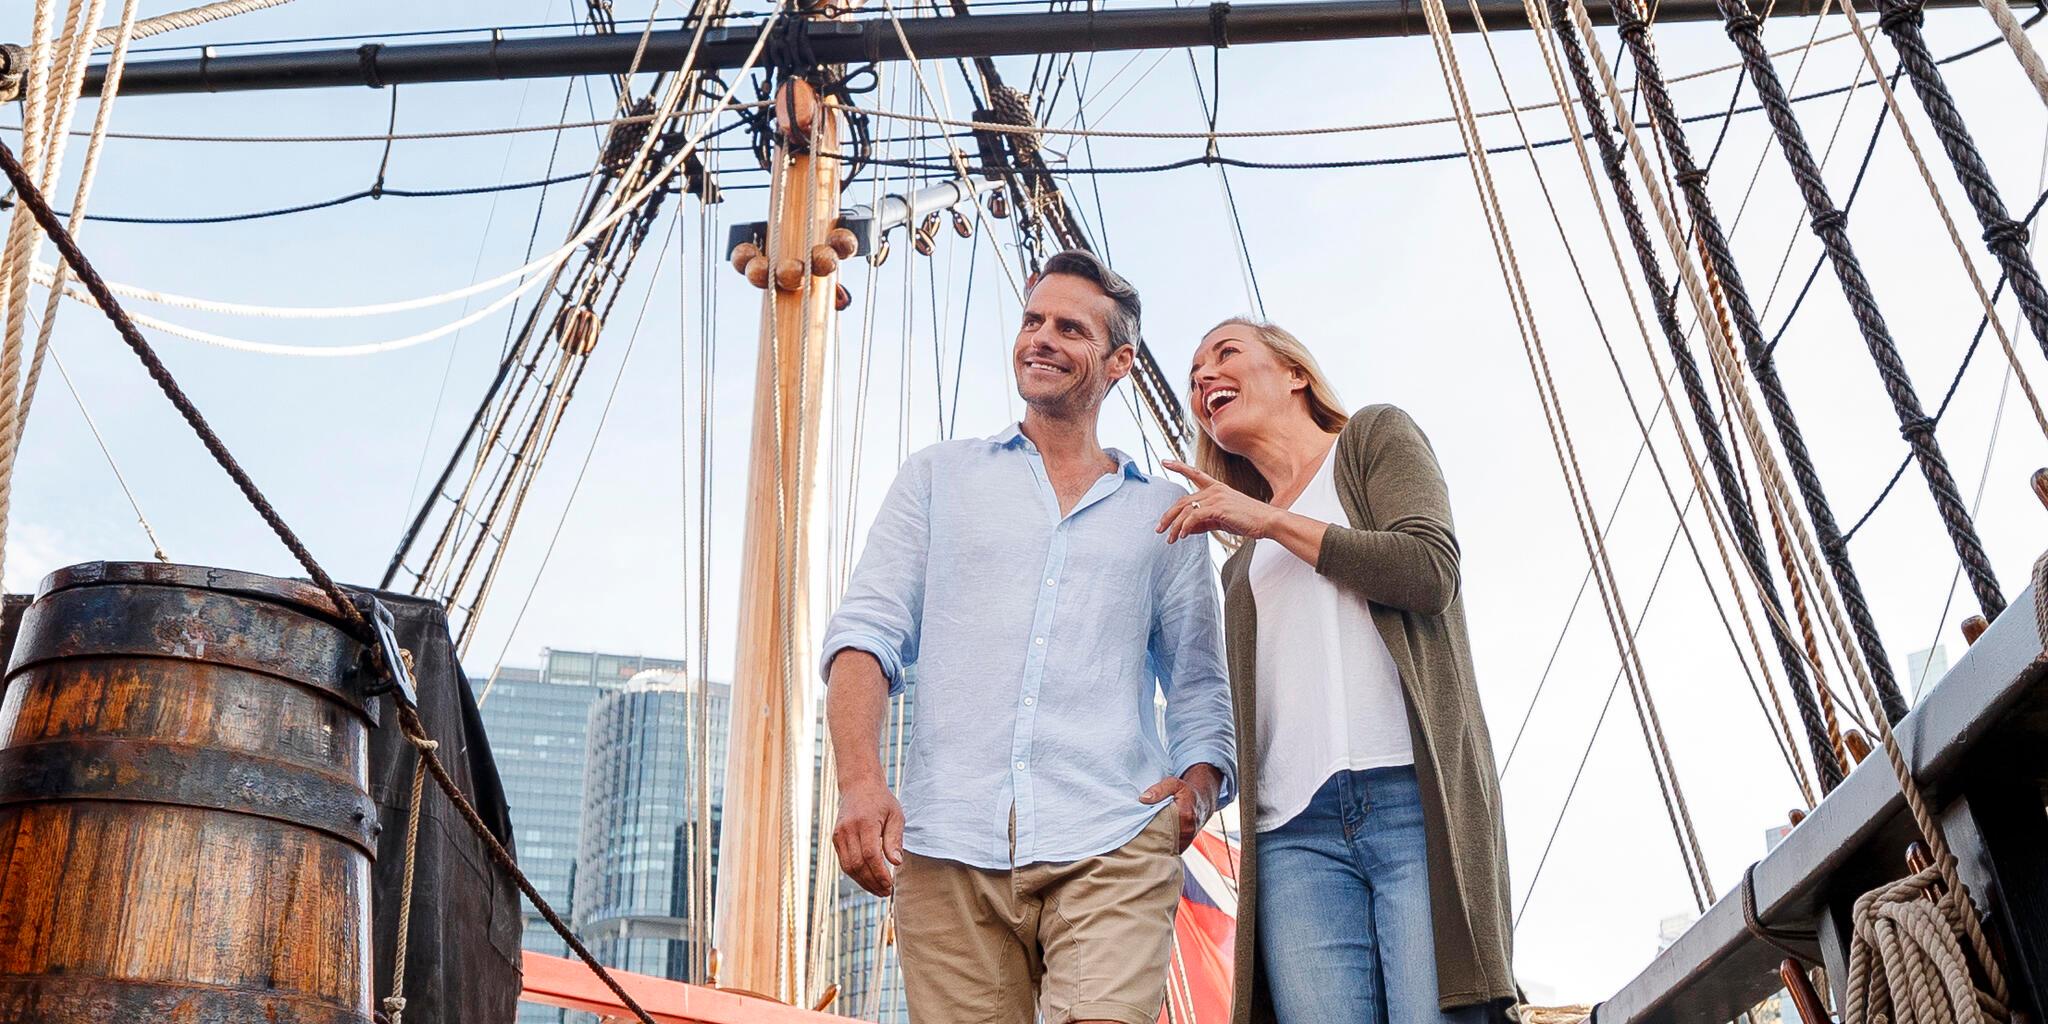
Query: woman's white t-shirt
{"points": [[1329, 695]]}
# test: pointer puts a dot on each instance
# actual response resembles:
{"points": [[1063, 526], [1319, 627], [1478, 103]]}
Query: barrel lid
{"points": [[300, 593]]}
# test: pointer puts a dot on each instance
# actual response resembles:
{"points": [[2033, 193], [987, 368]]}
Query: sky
{"points": [[1386, 272]]}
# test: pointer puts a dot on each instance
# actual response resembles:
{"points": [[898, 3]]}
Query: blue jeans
{"points": [[1344, 925]]}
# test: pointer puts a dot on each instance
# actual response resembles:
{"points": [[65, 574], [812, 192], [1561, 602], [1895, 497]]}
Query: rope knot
{"points": [[394, 1008], [424, 743], [1835, 549], [1829, 220], [1897, 15], [1743, 23], [1917, 429], [2006, 232], [1691, 178]]}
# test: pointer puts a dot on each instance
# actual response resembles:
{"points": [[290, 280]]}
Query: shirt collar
{"points": [[1012, 436]]}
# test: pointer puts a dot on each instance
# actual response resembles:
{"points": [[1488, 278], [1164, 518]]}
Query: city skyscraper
{"points": [[593, 750], [640, 802], [536, 719]]}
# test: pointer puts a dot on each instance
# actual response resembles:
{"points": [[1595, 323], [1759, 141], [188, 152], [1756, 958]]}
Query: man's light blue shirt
{"points": [[1041, 643]]}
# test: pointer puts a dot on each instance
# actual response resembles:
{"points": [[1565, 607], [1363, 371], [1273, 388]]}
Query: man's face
{"points": [[1063, 359]]}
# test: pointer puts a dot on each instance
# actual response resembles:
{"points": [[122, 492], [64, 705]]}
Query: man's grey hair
{"points": [[1125, 327]]}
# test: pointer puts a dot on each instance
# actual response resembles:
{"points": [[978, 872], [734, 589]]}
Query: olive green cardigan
{"points": [[1400, 554]]}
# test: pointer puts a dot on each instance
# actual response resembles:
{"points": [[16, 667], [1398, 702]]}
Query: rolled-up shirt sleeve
{"points": [[885, 597], [1187, 654]]}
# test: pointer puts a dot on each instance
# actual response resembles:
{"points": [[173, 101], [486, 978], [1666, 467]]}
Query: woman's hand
{"points": [[1214, 506]]}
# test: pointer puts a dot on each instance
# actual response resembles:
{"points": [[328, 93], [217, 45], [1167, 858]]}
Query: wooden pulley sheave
{"points": [[927, 234], [580, 328], [796, 113]]}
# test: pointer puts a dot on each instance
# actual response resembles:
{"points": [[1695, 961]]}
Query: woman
{"points": [[1373, 887]]}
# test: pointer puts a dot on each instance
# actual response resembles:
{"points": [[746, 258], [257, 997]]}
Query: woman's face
{"points": [[1240, 388]]}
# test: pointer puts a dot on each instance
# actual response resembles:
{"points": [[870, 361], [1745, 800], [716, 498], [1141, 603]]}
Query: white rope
{"points": [[110, 89], [423, 136], [190, 18], [1721, 349], [2022, 47], [1551, 400], [537, 268], [19, 248]]}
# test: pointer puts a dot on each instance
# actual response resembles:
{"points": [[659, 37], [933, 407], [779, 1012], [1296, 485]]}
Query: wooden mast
{"points": [[762, 878]]}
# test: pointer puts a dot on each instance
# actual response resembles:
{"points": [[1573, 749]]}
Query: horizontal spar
{"points": [[839, 42]]}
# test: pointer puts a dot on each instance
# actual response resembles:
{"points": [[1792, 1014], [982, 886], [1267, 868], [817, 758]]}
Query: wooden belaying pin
{"points": [[757, 271], [825, 1001], [843, 242], [1974, 627], [1858, 745], [2040, 482], [1800, 987]]}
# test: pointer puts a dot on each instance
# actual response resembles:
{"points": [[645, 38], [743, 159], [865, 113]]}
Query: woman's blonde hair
{"points": [[1323, 407]]}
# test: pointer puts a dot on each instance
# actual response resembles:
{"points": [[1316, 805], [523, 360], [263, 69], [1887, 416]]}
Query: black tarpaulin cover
{"points": [[463, 956]]}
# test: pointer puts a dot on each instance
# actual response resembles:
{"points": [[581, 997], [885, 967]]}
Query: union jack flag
{"points": [[1199, 976]]}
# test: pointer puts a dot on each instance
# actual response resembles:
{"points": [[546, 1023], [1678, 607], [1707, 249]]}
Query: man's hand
{"points": [[869, 835], [1194, 795]]}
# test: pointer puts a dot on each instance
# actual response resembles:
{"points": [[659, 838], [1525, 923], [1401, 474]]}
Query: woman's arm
{"points": [[1411, 562]]}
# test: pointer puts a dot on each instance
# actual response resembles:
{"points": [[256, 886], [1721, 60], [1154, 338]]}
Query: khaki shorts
{"points": [[1084, 940]]}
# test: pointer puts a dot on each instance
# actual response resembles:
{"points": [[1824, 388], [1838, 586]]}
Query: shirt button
{"points": [[1048, 581], [1028, 701], [1021, 766], [1039, 640]]}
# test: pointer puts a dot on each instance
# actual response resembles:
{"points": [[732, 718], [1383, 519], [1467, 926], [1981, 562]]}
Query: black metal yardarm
{"points": [[1742, 518], [2004, 236], [1693, 183], [1831, 225]]}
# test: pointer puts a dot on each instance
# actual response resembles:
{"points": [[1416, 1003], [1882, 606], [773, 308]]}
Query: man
{"points": [[1034, 867]]}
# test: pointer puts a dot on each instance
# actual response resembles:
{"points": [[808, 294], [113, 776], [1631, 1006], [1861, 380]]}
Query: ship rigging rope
{"points": [[532, 271], [544, 266], [48, 132], [1537, 18], [2005, 237], [1718, 345], [353, 619], [1565, 449], [1830, 224], [189, 18], [2023, 50], [1691, 181], [1944, 861], [1734, 489]]}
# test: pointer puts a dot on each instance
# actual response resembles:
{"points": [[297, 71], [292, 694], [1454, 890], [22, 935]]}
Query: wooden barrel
{"points": [[185, 827]]}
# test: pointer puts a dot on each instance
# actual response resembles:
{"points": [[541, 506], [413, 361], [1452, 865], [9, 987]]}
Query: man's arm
{"points": [[869, 833], [872, 637], [1187, 654]]}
